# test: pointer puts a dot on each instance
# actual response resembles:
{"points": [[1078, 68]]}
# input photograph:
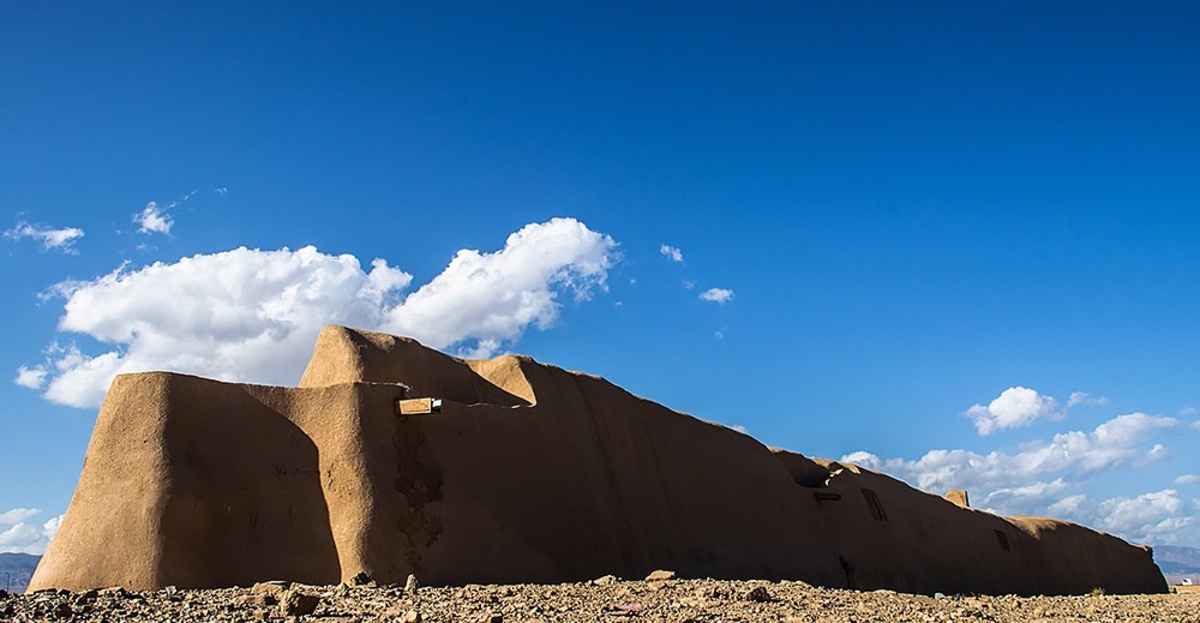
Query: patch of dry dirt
{"points": [[606, 600]]}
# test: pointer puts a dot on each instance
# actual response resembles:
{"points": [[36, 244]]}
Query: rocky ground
{"points": [[606, 599]]}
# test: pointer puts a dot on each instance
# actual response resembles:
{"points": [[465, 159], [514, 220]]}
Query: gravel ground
{"points": [[606, 599]]}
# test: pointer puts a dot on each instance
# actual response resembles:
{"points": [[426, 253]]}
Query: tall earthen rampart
{"points": [[529, 473]]}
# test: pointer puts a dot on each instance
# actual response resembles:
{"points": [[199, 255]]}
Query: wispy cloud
{"points": [[61, 239], [671, 253], [156, 218], [1084, 398], [717, 295], [17, 515], [153, 219], [1046, 478], [1187, 479], [1117, 442], [33, 378]]}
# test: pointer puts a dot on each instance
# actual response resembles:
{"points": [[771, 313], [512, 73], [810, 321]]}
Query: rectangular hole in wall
{"points": [[877, 512], [1002, 537]]}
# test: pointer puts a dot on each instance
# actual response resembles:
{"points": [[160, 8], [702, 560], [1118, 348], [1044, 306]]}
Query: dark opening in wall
{"points": [[877, 512], [827, 496], [1002, 537]]}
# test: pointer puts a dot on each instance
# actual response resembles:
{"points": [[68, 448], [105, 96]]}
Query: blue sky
{"points": [[859, 229]]}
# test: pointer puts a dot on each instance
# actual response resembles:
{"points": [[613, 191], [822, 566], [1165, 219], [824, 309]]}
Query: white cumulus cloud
{"points": [[62, 239], [251, 315], [153, 219], [1014, 407], [717, 295], [17, 534], [491, 297], [1038, 493], [1156, 517], [671, 253]]}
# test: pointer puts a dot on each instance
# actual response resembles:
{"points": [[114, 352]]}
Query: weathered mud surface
{"points": [[606, 599]]}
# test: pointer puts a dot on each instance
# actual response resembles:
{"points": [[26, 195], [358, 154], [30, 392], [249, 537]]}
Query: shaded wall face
{"points": [[245, 500], [886, 534], [601, 483]]}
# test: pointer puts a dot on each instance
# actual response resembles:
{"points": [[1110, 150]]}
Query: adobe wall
{"points": [[529, 473]]}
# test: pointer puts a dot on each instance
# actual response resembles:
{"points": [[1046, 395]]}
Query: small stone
{"points": [[759, 594], [412, 616], [605, 580], [660, 575], [360, 579], [625, 610], [488, 617], [410, 585], [272, 587], [296, 604], [62, 610], [260, 599]]}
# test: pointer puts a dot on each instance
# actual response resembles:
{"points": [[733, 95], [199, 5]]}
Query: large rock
{"points": [[528, 474]]}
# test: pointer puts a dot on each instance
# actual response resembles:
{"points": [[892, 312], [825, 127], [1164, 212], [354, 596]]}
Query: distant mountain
{"points": [[1178, 562], [16, 570]]}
